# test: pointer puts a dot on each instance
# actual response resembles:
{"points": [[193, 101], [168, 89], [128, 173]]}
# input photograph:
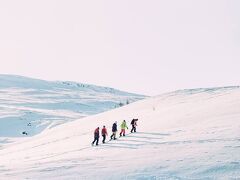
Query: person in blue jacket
{"points": [[114, 131]]}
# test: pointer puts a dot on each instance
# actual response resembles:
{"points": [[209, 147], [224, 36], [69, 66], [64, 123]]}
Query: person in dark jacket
{"points": [[96, 136], [134, 125], [104, 134], [114, 131]]}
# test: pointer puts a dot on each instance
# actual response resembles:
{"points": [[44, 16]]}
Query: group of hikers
{"points": [[114, 131]]}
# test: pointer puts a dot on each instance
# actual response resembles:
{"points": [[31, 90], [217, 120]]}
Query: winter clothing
{"points": [[104, 134], [123, 127], [96, 133], [122, 132], [96, 136], [114, 131], [95, 140], [104, 138], [114, 127], [113, 136], [104, 131], [134, 125]]}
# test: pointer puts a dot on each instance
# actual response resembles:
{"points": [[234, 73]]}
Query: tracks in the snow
{"points": [[136, 140]]}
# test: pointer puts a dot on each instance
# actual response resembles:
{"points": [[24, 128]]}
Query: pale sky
{"points": [[143, 46]]}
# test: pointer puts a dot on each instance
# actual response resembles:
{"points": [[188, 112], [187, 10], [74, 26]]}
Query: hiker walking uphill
{"points": [[134, 125], [104, 134], [123, 127], [114, 131], [96, 136]]}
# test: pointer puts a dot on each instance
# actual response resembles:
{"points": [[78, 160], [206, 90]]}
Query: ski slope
{"points": [[187, 134], [32, 105]]}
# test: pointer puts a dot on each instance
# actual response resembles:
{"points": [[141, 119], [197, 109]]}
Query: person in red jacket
{"points": [[104, 134], [96, 136]]}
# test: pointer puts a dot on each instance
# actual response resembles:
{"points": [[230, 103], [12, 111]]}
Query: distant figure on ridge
{"points": [[114, 131], [134, 125], [104, 134], [123, 127], [96, 136]]}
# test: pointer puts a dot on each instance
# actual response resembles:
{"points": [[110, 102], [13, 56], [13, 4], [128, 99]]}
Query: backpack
{"points": [[132, 122]]}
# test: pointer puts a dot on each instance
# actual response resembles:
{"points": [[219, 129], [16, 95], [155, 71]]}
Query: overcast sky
{"points": [[141, 46]]}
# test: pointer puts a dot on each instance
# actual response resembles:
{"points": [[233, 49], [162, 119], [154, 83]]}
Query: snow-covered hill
{"points": [[31, 105], [187, 134]]}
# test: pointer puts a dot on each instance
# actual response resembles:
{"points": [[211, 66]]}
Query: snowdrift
{"points": [[187, 134]]}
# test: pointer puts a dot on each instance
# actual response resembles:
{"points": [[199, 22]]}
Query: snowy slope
{"points": [[32, 105], [187, 134]]}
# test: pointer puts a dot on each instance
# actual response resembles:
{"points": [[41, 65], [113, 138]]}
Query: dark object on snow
{"points": [[133, 121], [114, 127], [25, 133], [96, 136], [134, 125], [29, 124], [114, 131]]}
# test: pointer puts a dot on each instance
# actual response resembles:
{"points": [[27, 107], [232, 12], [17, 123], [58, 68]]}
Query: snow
{"points": [[33, 105], [187, 134]]}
